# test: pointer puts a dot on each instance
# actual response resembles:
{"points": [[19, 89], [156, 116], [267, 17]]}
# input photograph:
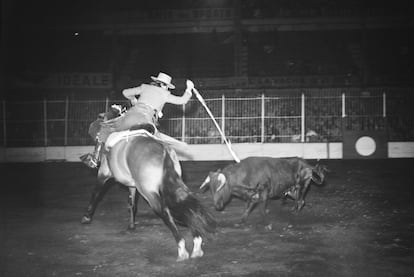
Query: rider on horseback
{"points": [[144, 110]]}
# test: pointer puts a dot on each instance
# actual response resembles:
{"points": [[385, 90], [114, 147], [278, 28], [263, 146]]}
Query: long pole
{"points": [[302, 124], [66, 120], [262, 125], [4, 124], [200, 98], [45, 120]]}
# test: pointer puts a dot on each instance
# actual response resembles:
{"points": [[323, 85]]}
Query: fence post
{"points": [[45, 120], [4, 124], [66, 120], [343, 105], [384, 105], [262, 135], [302, 135], [183, 125], [223, 114]]}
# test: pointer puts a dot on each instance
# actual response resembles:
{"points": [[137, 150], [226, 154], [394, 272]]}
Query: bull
{"points": [[259, 179]]}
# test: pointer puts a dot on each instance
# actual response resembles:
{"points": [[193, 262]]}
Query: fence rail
{"points": [[313, 115]]}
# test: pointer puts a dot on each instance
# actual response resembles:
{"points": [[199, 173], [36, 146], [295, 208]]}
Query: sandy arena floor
{"points": [[360, 224]]}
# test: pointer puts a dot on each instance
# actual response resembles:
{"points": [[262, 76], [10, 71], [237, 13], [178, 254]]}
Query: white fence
{"points": [[306, 115]]}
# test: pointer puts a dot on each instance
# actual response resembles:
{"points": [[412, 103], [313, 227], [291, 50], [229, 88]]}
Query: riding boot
{"points": [[92, 160]]}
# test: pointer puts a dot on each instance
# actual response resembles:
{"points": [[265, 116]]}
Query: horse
{"points": [[145, 164], [102, 187]]}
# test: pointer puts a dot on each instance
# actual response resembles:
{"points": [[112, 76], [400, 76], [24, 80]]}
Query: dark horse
{"points": [[145, 164]]}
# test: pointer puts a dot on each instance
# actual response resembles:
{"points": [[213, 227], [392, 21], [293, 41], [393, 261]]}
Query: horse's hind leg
{"points": [[169, 221], [133, 203], [97, 195], [197, 241]]}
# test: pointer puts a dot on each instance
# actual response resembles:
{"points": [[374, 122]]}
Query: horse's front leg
{"points": [[133, 203], [97, 195], [169, 221]]}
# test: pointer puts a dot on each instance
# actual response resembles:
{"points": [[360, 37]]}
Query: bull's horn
{"points": [[222, 180], [206, 181]]}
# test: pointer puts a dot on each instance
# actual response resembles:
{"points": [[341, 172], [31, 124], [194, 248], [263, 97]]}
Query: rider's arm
{"points": [[130, 94], [180, 100]]}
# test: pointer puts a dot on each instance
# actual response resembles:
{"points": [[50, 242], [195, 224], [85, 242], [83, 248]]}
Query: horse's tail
{"points": [[185, 208]]}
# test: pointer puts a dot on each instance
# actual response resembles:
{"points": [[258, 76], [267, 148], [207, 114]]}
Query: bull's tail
{"points": [[318, 174], [185, 208]]}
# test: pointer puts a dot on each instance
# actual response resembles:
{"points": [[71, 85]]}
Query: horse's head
{"points": [[220, 190], [113, 112]]}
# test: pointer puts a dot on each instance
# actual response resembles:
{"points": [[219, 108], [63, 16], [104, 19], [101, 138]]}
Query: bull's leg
{"points": [[169, 221], [97, 195], [133, 202], [250, 204], [197, 241], [265, 199], [265, 211], [291, 193], [300, 202]]}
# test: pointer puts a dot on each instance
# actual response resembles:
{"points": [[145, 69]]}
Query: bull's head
{"points": [[320, 171], [219, 188]]}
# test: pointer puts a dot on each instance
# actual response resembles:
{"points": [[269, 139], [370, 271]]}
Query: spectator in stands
{"points": [[272, 133], [311, 136], [145, 110], [213, 135]]}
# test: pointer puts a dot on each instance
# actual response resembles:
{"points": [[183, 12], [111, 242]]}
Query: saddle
{"points": [[146, 129], [146, 126]]}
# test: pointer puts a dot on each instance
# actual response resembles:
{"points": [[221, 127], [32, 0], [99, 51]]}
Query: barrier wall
{"points": [[209, 152]]}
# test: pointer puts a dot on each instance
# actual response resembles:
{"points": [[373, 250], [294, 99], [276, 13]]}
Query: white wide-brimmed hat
{"points": [[164, 78]]}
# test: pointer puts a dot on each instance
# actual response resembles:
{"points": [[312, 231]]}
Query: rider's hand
{"points": [[189, 92], [190, 86], [134, 101]]}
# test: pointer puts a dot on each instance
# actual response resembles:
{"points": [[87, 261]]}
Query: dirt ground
{"points": [[360, 224]]}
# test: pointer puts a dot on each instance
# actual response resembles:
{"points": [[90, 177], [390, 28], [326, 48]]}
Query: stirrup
{"points": [[89, 161]]}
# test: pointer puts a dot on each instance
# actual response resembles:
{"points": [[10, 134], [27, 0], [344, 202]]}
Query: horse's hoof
{"points": [[197, 254], [300, 206], [295, 208], [183, 257], [131, 227], [243, 220], [86, 220]]}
